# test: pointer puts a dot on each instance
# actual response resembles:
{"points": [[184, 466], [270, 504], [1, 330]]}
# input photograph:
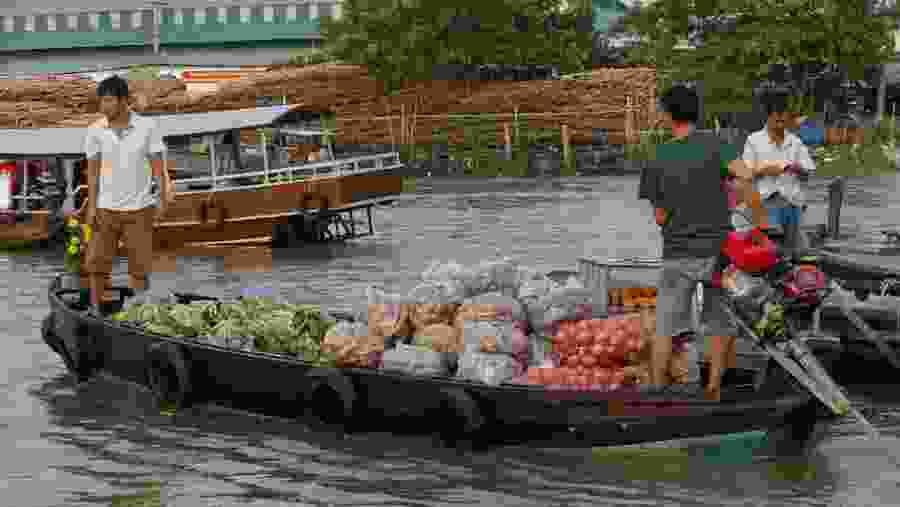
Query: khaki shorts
{"points": [[675, 294], [134, 228]]}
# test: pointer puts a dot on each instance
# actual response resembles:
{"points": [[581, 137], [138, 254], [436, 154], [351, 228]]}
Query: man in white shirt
{"points": [[124, 197], [780, 162]]}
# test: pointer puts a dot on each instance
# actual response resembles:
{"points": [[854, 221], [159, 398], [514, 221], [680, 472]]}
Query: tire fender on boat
{"points": [[461, 411], [332, 383], [79, 360], [168, 373]]}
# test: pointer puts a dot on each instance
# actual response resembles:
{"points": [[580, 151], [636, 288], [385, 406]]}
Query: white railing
{"points": [[340, 167]]}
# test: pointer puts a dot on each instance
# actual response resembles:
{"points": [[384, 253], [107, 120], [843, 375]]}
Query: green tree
{"points": [[736, 41], [405, 39]]}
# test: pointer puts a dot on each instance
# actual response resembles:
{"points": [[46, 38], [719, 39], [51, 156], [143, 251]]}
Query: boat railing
{"points": [[339, 167]]}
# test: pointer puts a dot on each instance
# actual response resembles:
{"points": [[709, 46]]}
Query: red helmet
{"points": [[747, 256]]}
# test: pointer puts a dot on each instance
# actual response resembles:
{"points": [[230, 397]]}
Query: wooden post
{"points": [[402, 126], [236, 149], [836, 190], [507, 142], [516, 123], [565, 144], [628, 134]]}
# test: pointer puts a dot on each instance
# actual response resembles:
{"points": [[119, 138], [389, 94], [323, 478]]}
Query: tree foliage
{"points": [[736, 41], [405, 39]]}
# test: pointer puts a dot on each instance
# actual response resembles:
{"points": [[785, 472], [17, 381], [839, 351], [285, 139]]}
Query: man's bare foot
{"points": [[712, 393]]}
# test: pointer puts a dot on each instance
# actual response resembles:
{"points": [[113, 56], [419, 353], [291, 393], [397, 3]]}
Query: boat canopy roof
{"points": [[213, 122], [69, 142], [40, 143]]}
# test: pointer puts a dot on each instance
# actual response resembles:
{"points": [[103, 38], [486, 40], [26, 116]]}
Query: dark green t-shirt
{"points": [[685, 178]]}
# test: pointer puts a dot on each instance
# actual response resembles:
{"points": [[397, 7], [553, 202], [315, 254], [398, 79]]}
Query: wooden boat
{"points": [[276, 198], [188, 371], [841, 346]]}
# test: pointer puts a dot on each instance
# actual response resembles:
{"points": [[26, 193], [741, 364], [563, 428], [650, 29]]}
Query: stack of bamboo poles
{"points": [[505, 128]]}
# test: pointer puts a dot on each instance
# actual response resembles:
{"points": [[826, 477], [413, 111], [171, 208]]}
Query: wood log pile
{"points": [[38, 104], [598, 102]]}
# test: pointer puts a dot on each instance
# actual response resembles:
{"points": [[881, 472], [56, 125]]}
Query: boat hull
{"points": [[281, 386], [236, 214]]}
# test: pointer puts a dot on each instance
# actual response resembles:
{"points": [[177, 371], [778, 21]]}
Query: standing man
{"points": [[685, 185], [780, 161], [125, 194]]}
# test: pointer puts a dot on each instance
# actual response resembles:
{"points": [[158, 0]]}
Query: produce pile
{"points": [[597, 352], [496, 322], [251, 324]]}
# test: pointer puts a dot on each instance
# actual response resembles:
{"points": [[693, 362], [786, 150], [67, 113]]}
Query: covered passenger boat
{"points": [[189, 370], [224, 192]]}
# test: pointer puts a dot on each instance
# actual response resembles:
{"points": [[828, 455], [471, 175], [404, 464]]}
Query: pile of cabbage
{"points": [[251, 324]]}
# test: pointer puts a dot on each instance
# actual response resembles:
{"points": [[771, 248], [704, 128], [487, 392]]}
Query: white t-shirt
{"points": [[760, 148], [126, 183]]}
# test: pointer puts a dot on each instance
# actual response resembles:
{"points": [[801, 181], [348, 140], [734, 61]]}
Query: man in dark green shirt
{"points": [[685, 183]]}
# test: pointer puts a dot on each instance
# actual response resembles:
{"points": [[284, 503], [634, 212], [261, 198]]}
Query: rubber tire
{"points": [[330, 400], [166, 367], [56, 344], [80, 363], [459, 419]]}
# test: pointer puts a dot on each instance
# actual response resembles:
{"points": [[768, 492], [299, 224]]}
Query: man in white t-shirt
{"points": [[124, 197], [780, 162]]}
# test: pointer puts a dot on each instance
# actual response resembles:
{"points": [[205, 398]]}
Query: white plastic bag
{"points": [[560, 304], [504, 307], [496, 276], [449, 271], [345, 328], [488, 336], [491, 369], [414, 360], [442, 293]]}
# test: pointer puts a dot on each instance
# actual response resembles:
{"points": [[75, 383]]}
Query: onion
{"points": [[588, 361], [583, 326], [598, 349], [584, 338]]}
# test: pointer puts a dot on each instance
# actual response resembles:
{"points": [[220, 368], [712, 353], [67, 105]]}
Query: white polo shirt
{"points": [[126, 181], [760, 148]]}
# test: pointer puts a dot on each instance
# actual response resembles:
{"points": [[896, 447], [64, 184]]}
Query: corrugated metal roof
{"points": [[21, 143], [220, 121], [44, 142]]}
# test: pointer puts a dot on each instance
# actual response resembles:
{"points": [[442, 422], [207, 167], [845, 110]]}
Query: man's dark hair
{"points": [[682, 103], [775, 100], [113, 86]]}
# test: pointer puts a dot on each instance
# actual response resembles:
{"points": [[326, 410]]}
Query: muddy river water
{"points": [[103, 444]]}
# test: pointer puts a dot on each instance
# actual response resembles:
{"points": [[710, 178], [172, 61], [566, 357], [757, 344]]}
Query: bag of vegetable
{"points": [[492, 306], [489, 336], [558, 305], [415, 360], [496, 276], [424, 315], [446, 292], [388, 314], [440, 338], [491, 369], [450, 272], [352, 346]]}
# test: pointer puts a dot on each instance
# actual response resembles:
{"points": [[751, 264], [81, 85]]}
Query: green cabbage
{"points": [[279, 328]]}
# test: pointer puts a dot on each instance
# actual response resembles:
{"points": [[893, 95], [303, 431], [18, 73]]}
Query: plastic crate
{"points": [[600, 275]]}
